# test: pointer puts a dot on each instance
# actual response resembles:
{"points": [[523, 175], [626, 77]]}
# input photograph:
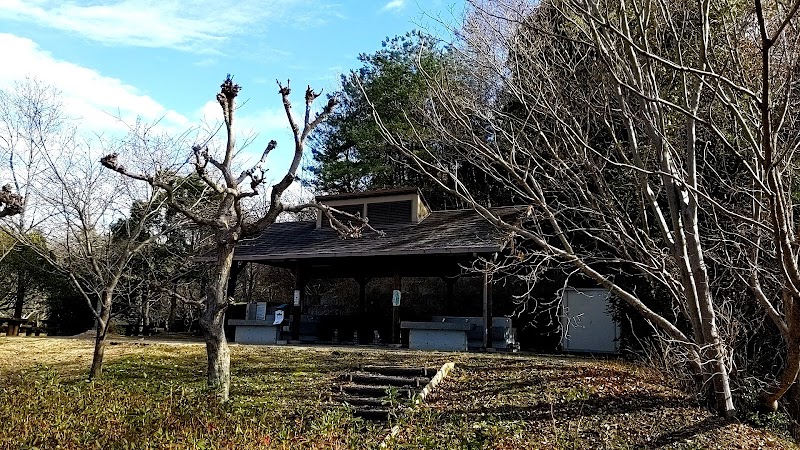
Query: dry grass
{"points": [[153, 396]]}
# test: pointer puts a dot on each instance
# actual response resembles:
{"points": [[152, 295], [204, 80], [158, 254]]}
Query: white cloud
{"points": [[254, 128], [264, 121], [394, 5], [88, 95], [267, 122], [198, 26], [261, 127]]}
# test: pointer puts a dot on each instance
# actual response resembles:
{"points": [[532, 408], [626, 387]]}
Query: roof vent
{"points": [[389, 213], [382, 207]]}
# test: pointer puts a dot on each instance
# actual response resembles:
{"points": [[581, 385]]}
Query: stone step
{"points": [[373, 391], [374, 414], [361, 401], [401, 371], [366, 378]]}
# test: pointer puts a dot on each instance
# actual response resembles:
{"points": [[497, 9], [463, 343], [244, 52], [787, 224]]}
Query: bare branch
{"points": [[111, 162], [257, 172]]}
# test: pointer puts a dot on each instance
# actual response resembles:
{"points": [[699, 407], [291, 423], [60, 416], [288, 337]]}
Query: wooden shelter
{"points": [[417, 242]]}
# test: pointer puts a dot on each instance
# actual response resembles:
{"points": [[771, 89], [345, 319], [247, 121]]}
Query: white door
{"points": [[587, 322]]}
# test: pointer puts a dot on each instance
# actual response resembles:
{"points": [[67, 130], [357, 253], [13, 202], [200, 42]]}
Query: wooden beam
{"points": [[379, 266]]}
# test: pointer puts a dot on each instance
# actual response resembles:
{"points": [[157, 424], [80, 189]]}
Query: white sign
{"points": [[396, 297], [261, 311], [297, 297], [278, 317]]}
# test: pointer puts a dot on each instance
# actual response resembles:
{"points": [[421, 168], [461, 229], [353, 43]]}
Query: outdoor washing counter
{"points": [[459, 334], [443, 333], [259, 327]]}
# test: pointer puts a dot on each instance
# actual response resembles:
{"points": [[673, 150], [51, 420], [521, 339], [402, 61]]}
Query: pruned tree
{"points": [[11, 203], [228, 221]]}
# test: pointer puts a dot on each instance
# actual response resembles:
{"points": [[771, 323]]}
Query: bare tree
{"points": [[32, 123], [10, 205], [100, 225], [228, 219], [766, 106], [73, 214], [613, 122], [735, 96]]}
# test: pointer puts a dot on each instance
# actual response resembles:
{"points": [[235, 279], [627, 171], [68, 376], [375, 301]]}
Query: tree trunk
{"points": [[13, 327], [787, 378], [100, 336], [713, 350], [689, 255], [173, 307], [140, 321], [146, 310], [213, 321], [719, 369], [21, 288], [794, 411]]}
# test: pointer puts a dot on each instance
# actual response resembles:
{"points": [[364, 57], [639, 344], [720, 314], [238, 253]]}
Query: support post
{"points": [[233, 278], [297, 303], [230, 291], [363, 328], [362, 295], [487, 311], [450, 283], [396, 312]]}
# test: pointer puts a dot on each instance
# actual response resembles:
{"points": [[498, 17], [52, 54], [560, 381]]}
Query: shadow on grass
{"points": [[687, 432], [574, 409]]}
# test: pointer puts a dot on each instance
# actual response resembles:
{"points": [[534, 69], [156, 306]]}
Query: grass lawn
{"points": [[152, 396]]}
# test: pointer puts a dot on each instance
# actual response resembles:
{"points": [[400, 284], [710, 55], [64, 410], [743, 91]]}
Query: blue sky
{"points": [[166, 58]]}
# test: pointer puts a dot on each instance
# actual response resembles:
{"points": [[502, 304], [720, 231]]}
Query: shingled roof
{"points": [[442, 232], [368, 194]]}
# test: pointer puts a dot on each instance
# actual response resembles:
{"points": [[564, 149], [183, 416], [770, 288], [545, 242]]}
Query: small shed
{"points": [[588, 321]]}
